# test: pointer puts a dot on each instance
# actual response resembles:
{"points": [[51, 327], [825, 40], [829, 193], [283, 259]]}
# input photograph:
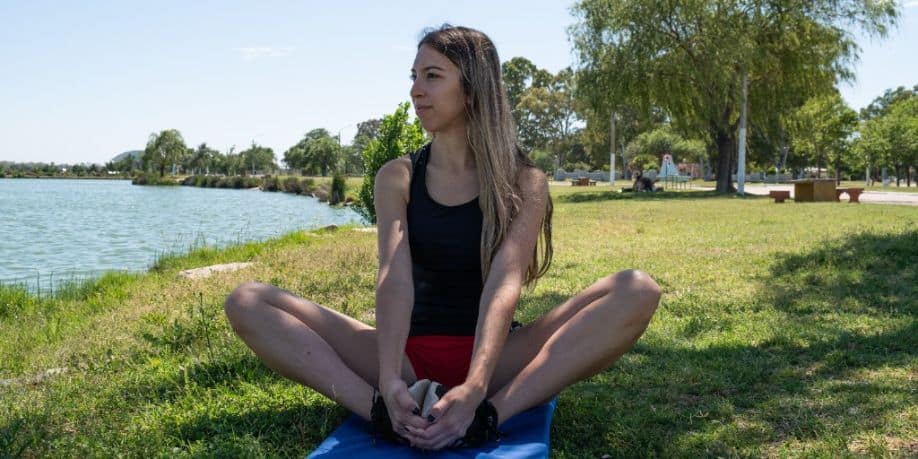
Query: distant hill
{"points": [[136, 154]]}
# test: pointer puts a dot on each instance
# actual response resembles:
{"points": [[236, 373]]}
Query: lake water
{"points": [[69, 228]]}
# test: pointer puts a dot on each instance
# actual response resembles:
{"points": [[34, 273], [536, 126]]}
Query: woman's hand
{"points": [[404, 412], [449, 418]]}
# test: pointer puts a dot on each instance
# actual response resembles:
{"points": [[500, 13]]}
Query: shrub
{"points": [[270, 184], [397, 136], [147, 178], [307, 185], [543, 160], [338, 189], [292, 185], [577, 166]]}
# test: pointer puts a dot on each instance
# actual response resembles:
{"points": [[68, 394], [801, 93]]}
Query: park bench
{"points": [[779, 195], [853, 194], [583, 181]]}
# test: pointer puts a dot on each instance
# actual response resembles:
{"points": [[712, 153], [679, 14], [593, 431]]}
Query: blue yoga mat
{"points": [[524, 436]]}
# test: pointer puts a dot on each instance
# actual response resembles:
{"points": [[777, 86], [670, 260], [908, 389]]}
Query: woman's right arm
{"points": [[394, 285]]}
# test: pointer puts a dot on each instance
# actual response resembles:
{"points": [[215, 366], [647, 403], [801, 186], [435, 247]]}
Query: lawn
{"points": [[784, 330], [877, 186]]}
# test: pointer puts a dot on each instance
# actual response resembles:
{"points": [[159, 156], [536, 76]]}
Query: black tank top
{"points": [[445, 260]]}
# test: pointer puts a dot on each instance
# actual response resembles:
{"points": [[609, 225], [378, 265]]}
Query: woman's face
{"points": [[437, 95]]}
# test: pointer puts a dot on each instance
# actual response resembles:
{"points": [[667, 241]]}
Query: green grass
{"points": [[783, 331], [879, 187], [844, 184]]}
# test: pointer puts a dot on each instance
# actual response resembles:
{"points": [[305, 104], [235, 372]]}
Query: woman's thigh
{"points": [[353, 341], [525, 343]]}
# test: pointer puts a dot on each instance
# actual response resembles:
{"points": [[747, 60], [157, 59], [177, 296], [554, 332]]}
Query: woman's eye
{"points": [[432, 75], [412, 77]]}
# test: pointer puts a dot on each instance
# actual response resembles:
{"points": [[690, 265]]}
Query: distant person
{"points": [[642, 183], [464, 223]]}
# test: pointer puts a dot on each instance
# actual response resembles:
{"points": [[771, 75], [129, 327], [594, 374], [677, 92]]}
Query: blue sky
{"points": [[84, 81]]}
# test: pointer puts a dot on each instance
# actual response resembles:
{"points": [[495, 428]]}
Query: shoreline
{"points": [[55, 177], [67, 285]]}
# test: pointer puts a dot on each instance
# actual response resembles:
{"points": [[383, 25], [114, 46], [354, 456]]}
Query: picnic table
{"points": [[583, 181], [811, 190]]}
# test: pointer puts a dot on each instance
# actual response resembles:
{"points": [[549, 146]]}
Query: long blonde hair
{"points": [[492, 139]]}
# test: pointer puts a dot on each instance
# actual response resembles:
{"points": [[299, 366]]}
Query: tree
{"points": [[891, 139], [366, 131], [164, 150], [649, 147], [317, 151], [352, 156], [519, 75], [820, 131], [691, 58], [547, 114], [543, 160], [542, 106], [322, 154], [397, 136], [881, 105], [201, 159], [257, 158]]}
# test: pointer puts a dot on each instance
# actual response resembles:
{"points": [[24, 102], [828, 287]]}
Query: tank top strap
{"points": [[418, 174]]}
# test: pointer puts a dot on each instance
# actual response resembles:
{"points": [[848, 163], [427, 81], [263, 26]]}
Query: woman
{"points": [[463, 225]]}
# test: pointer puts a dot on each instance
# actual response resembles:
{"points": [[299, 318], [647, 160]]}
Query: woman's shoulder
{"points": [[395, 168], [394, 176], [532, 181]]}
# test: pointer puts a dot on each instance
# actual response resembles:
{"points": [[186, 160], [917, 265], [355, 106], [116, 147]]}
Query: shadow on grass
{"points": [[861, 273], [290, 432], [23, 433], [658, 196], [808, 383], [729, 400]]}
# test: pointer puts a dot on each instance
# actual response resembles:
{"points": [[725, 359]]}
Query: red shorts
{"points": [[444, 359]]}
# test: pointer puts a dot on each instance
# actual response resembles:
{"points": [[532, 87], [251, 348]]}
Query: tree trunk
{"points": [[162, 169], [818, 166], [724, 142], [898, 174], [838, 170]]}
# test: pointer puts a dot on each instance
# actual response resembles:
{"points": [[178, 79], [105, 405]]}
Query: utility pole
{"points": [[741, 167], [612, 152]]}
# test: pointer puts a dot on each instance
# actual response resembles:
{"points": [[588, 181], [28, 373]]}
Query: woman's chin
{"points": [[429, 125]]}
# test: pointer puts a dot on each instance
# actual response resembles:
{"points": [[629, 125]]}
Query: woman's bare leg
{"points": [[310, 344], [574, 341]]}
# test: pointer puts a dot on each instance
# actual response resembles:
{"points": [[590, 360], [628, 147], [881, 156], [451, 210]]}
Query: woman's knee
{"points": [[242, 301], [642, 291]]}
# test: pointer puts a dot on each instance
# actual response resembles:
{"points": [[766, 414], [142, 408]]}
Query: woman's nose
{"points": [[417, 89]]}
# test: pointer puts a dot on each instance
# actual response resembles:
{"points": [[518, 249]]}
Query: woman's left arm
{"points": [[505, 280], [456, 410]]}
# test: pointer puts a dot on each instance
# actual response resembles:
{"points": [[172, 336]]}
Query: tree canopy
{"points": [[316, 152], [891, 139], [690, 58], [164, 149], [821, 130]]}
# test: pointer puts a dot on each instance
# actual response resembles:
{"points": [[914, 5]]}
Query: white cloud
{"points": [[911, 4], [256, 52]]}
